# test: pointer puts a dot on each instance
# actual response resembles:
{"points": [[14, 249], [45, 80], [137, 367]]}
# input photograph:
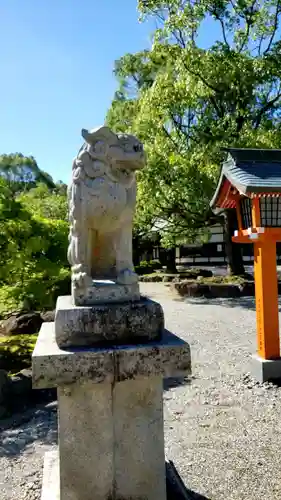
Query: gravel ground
{"points": [[222, 429], [22, 449]]}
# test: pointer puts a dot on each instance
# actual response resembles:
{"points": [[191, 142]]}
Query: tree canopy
{"points": [[33, 236], [187, 102], [46, 203], [22, 172]]}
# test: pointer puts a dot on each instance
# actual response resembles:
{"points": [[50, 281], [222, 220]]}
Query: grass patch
{"points": [[16, 351], [152, 277], [192, 277], [8, 303], [222, 280]]}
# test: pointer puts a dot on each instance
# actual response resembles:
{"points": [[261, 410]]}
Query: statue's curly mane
{"points": [[101, 164]]}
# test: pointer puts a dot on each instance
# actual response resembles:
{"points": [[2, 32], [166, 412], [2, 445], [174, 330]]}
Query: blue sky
{"points": [[57, 58]]}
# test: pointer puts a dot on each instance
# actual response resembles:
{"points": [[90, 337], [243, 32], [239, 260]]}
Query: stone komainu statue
{"points": [[102, 197]]}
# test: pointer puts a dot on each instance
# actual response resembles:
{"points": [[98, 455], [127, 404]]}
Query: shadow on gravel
{"points": [[176, 489], [21, 431], [244, 302], [274, 382], [172, 382]]}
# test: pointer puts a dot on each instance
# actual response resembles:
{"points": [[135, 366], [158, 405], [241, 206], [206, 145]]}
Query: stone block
{"points": [[169, 357], [139, 458], [86, 450], [111, 442], [104, 324], [53, 366], [105, 291], [265, 370]]}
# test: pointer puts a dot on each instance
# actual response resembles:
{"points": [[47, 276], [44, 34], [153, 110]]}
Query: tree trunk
{"points": [[171, 267], [233, 250]]}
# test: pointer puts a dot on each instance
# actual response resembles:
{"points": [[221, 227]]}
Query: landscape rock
{"points": [[24, 395], [153, 278], [223, 290], [189, 288], [48, 316], [191, 274], [21, 389], [5, 388], [4, 362], [22, 323], [209, 290], [247, 289], [17, 394]]}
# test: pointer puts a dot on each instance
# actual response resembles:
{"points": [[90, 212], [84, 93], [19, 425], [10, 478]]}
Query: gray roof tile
{"points": [[251, 171]]}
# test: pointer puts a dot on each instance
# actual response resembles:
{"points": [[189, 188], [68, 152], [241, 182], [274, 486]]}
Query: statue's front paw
{"points": [[81, 280], [127, 277]]}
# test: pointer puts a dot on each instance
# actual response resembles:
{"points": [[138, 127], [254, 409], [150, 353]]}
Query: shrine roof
{"points": [[250, 171]]}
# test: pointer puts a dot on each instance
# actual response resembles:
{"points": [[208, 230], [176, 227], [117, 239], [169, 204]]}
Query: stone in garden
{"points": [[5, 393], [102, 197], [21, 389], [22, 323], [48, 316]]}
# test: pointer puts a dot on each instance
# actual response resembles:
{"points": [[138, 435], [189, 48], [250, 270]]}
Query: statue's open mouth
{"points": [[124, 171], [128, 167]]}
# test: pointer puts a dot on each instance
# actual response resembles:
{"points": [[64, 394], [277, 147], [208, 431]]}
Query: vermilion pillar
{"points": [[266, 290]]}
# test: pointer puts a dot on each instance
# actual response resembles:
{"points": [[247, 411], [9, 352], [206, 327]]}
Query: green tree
{"points": [[46, 203], [33, 250], [22, 172], [187, 102]]}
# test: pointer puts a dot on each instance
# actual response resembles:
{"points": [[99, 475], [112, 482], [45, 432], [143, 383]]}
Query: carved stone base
{"points": [[104, 324], [105, 291]]}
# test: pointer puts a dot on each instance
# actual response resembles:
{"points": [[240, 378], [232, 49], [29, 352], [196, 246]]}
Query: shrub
{"points": [[39, 291], [147, 267]]}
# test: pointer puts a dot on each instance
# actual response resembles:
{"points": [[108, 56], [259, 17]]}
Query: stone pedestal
{"points": [[265, 370], [111, 441], [106, 324]]}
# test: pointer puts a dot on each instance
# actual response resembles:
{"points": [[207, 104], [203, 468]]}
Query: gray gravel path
{"points": [[222, 430], [22, 449]]}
